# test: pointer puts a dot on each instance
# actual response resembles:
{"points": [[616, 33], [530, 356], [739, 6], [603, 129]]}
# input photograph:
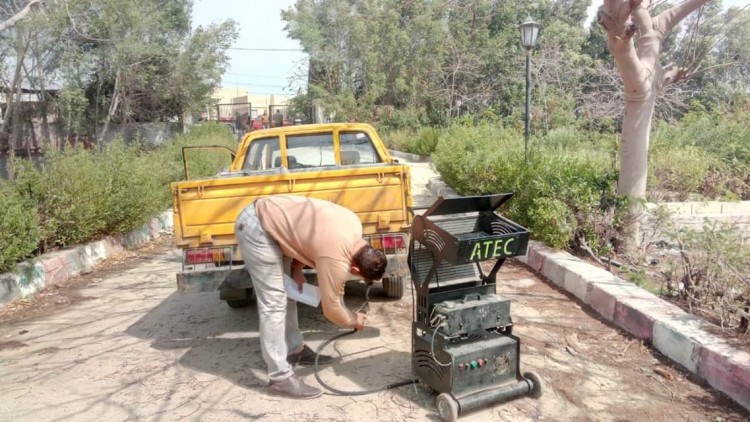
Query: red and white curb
{"points": [[55, 267]]}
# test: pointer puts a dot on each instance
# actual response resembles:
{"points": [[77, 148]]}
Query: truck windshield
{"points": [[313, 150]]}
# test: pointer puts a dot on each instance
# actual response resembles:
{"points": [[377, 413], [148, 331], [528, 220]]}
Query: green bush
{"points": [[77, 195], [422, 142], [69, 191], [562, 138], [201, 163], [136, 191], [679, 171], [479, 159], [553, 220], [712, 280], [19, 229], [391, 118], [559, 195], [396, 139], [425, 142], [705, 153]]}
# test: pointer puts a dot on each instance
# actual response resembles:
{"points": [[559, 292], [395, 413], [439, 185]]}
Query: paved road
{"points": [[120, 344]]}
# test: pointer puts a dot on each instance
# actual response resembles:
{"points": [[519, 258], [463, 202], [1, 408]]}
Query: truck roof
{"points": [[311, 127]]}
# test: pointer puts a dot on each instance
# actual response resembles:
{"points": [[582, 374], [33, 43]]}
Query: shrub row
{"points": [[421, 142], [567, 191], [77, 195], [713, 281], [19, 229], [704, 156], [561, 195]]}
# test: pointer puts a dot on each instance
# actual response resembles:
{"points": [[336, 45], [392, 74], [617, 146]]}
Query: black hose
{"points": [[350, 393]]}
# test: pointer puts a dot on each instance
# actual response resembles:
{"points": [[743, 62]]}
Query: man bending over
{"points": [[312, 232]]}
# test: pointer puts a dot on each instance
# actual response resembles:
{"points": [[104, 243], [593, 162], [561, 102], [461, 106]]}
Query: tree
{"points": [[197, 71], [20, 15], [97, 62], [643, 77], [20, 45], [412, 62], [726, 76]]}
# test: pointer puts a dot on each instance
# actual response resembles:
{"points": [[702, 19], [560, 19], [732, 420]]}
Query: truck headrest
{"points": [[292, 162], [349, 157]]}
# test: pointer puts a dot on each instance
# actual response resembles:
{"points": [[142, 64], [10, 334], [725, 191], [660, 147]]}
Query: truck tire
{"points": [[393, 287], [240, 303]]}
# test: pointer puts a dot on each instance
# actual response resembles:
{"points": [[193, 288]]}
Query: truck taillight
{"points": [[389, 241], [207, 255], [394, 241]]}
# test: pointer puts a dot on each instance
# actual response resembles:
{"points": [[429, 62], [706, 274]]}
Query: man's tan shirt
{"points": [[320, 234]]}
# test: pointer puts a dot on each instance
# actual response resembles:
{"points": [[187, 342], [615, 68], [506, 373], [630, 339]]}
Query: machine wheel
{"points": [[536, 389], [447, 407], [394, 287]]}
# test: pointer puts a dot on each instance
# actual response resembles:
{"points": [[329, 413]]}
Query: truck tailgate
{"points": [[206, 209]]}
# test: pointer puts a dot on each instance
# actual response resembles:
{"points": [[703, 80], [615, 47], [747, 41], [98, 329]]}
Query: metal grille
{"points": [[424, 360], [447, 274]]}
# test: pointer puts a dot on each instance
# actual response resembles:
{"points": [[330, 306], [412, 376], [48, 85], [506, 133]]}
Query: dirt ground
{"points": [[120, 344]]}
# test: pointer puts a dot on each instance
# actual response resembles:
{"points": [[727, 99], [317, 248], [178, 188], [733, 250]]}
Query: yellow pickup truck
{"points": [[345, 163]]}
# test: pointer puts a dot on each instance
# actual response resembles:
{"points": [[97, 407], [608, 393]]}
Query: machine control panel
{"points": [[474, 312], [474, 364], [492, 360]]}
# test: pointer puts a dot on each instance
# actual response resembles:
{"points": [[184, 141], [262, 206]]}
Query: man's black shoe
{"points": [[307, 358]]}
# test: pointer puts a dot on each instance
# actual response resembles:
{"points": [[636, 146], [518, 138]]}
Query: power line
{"points": [[266, 49], [232, 81], [256, 76]]}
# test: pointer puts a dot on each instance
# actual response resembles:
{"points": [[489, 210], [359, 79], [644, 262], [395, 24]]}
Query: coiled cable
{"points": [[358, 392]]}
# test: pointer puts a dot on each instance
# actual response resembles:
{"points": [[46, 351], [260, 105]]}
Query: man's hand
{"points": [[360, 324], [297, 274], [300, 279]]}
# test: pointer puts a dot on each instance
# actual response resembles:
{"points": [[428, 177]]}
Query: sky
{"points": [[260, 26]]}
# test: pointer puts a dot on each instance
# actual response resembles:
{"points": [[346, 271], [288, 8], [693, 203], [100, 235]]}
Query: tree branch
{"points": [[640, 16], [615, 17], [13, 20], [75, 29], [668, 19], [719, 66], [674, 74]]}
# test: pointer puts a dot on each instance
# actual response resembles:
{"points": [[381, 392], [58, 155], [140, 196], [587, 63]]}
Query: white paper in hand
{"points": [[310, 294]]}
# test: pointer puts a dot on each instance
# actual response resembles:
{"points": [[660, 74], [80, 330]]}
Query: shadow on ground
{"points": [[224, 342]]}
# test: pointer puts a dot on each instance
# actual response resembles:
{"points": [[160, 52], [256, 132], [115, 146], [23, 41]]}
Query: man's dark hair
{"points": [[371, 263]]}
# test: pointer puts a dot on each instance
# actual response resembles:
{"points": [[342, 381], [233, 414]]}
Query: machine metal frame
{"points": [[463, 345]]}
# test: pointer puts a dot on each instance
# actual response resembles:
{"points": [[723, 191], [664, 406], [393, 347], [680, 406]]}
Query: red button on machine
{"points": [[481, 362], [461, 367]]}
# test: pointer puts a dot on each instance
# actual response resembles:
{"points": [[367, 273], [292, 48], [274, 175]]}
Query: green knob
{"points": [[474, 364]]}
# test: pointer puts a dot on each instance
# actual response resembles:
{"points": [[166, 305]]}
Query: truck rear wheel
{"points": [[237, 298], [238, 303], [393, 287]]}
